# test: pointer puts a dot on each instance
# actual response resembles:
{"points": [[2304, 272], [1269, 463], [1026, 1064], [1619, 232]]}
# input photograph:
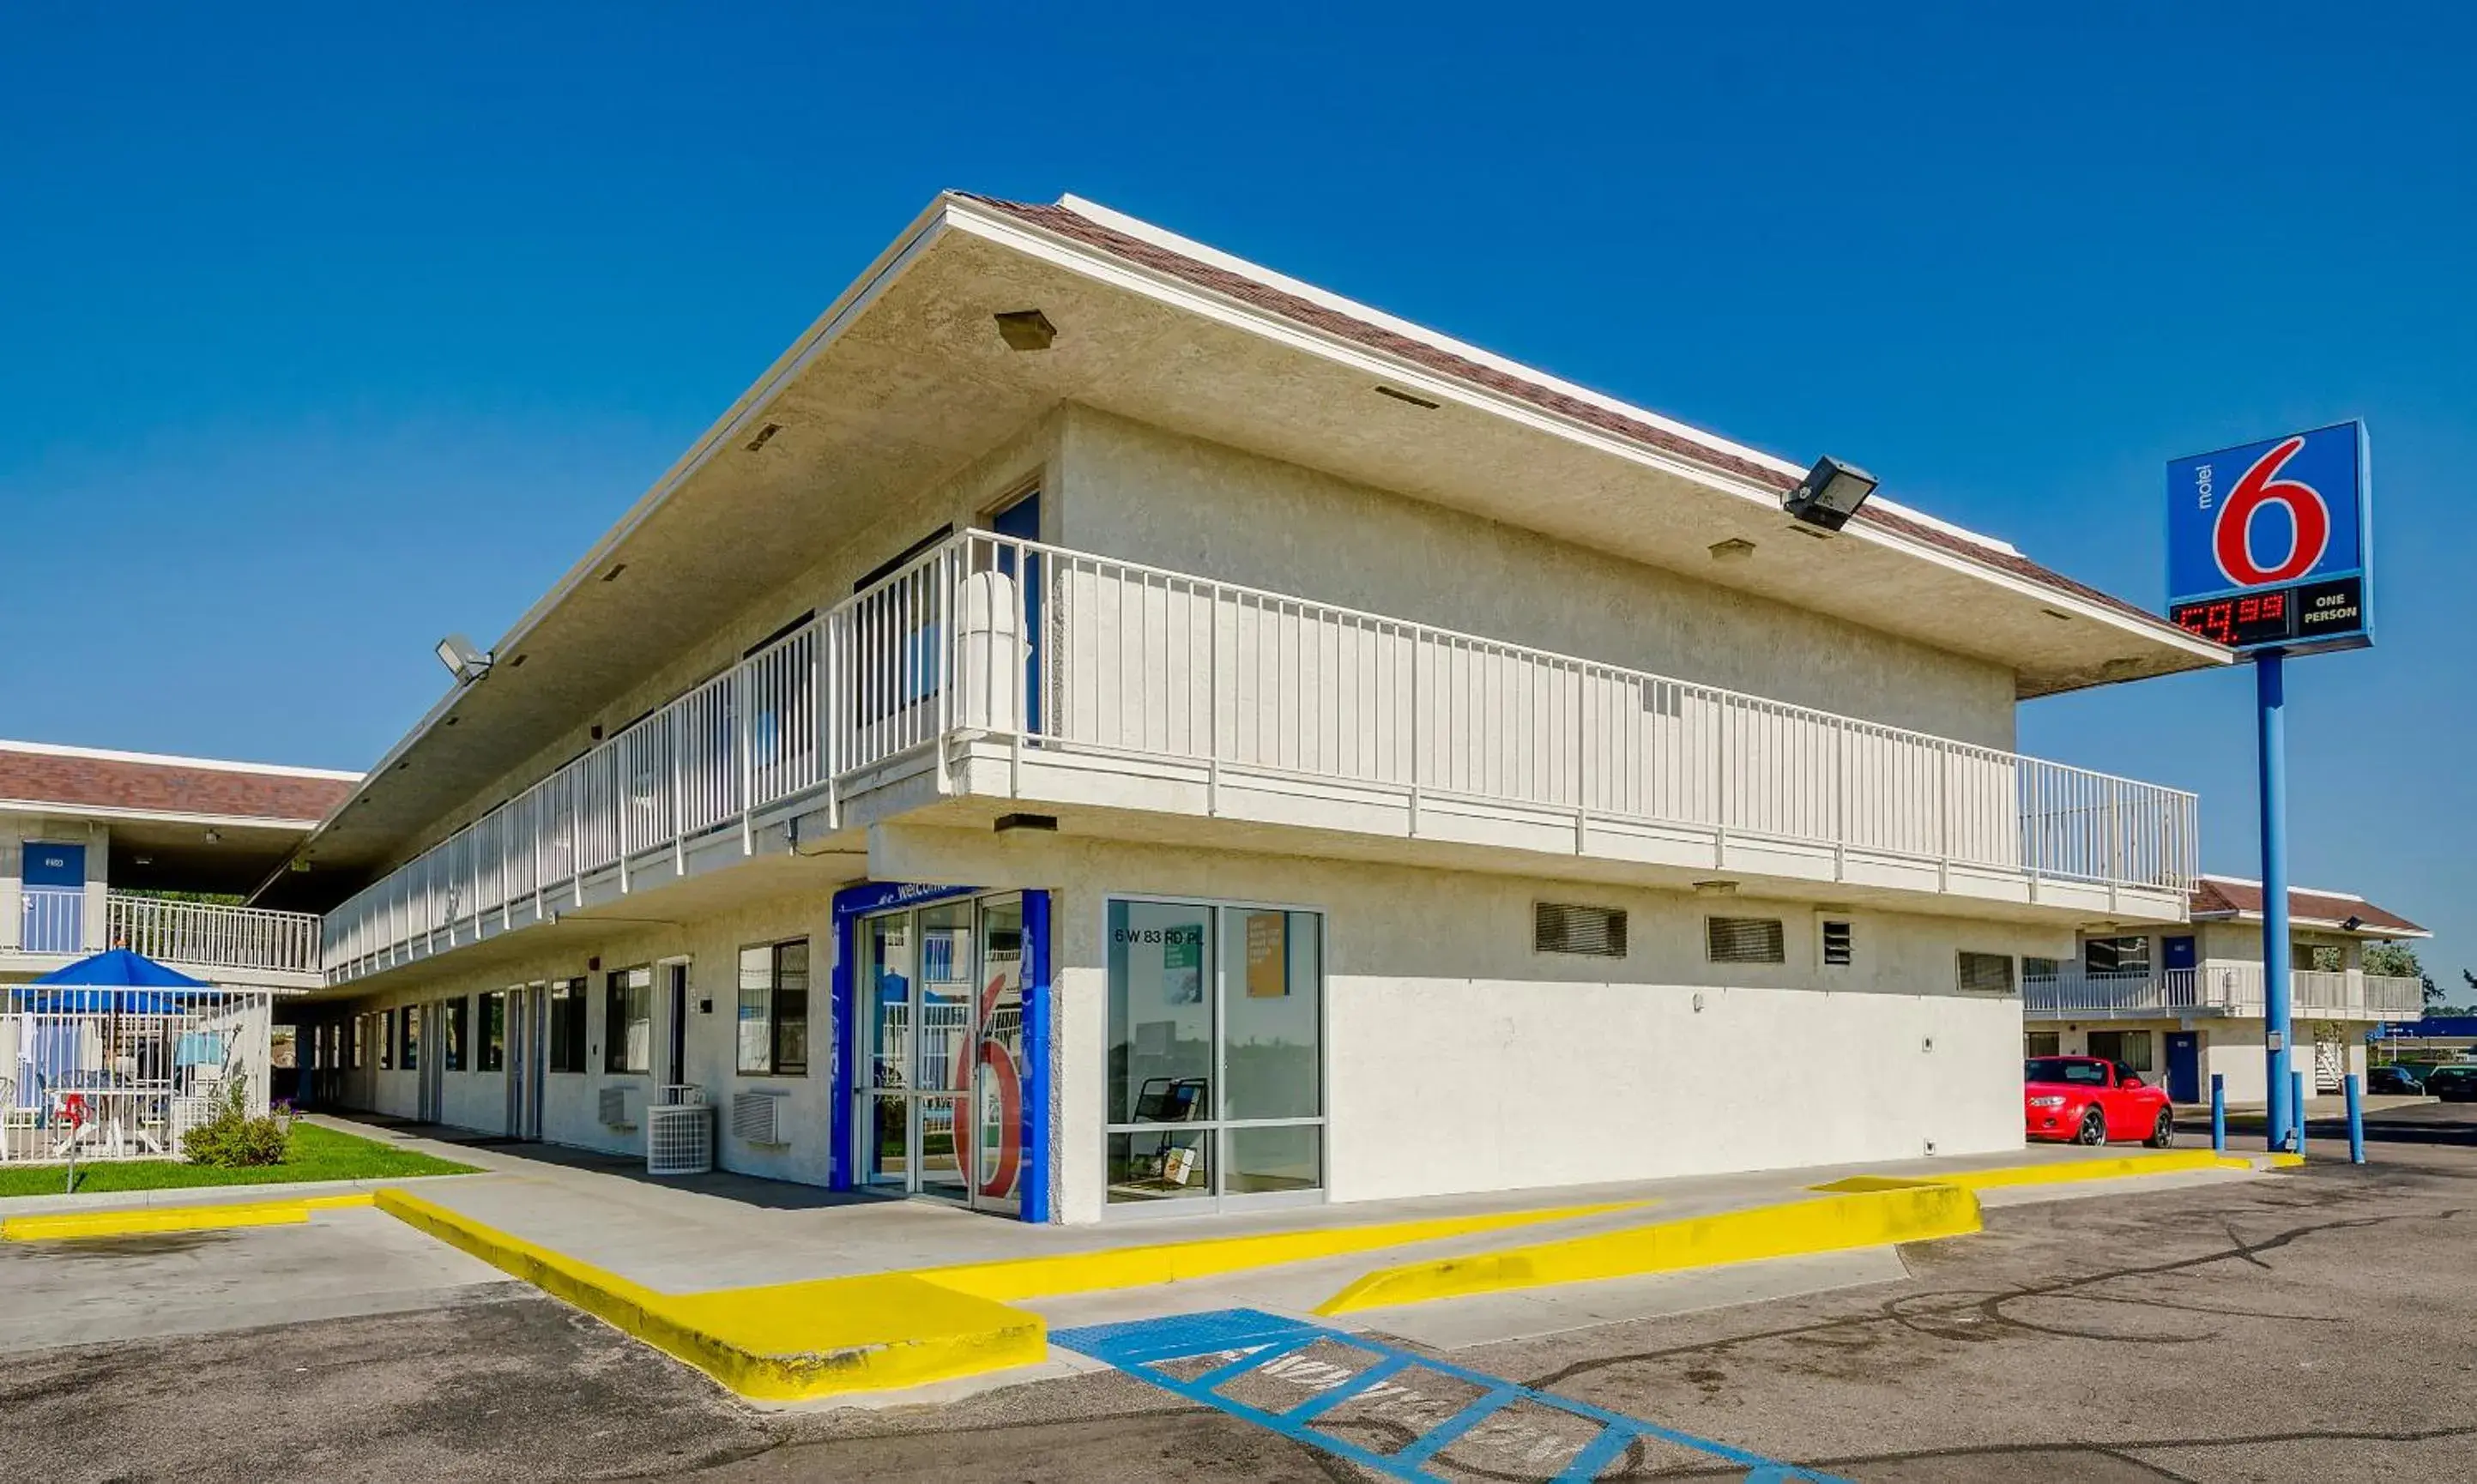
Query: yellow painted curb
{"points": [[2282, 1161], [1170, 1262], [1822, 1224], [145, 1221], [781, 1343], [2057, 1171]]}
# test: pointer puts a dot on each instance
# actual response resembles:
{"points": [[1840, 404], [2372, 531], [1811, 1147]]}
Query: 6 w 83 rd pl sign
{"points": [[2270, 545]]}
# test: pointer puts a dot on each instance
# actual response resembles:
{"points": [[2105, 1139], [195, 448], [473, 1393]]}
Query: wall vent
{"points": [[1986, 974], [1744, 940], [1565, 927], [1838, 944], [757, 1118]]}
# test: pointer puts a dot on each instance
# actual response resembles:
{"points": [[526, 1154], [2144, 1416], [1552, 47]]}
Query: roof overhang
{"points": [[904, 380]]}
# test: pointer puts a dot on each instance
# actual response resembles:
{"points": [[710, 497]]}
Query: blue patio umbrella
{"points": [[116, 979]]}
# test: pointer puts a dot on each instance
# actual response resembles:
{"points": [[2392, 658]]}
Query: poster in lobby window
{"points": [[1183, 964], [1268, 956]]}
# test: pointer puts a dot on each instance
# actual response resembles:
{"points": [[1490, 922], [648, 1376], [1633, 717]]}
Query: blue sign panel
{"points": [[2268, 545]]}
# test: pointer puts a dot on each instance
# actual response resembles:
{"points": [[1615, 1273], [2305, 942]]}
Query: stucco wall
{"points": [[1461, 1060], [1145, 495]]}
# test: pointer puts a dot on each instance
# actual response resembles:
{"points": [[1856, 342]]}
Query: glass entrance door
{"points": [[942, 994]]}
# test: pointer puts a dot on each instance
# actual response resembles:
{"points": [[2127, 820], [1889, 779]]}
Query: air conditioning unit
{"points": [[678, 1139], [757, 1118], [615, 1110]]}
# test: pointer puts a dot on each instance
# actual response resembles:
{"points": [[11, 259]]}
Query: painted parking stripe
{"points": [[1248, 1342]]}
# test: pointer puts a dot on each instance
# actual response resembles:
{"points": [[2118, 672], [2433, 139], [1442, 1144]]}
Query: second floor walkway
{"points": [[1017, 671], [55, 925]]}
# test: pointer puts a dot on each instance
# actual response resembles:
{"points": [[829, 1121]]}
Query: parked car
{"points": [[2395, 1079], [2089, 1099], [2454, 1083]]}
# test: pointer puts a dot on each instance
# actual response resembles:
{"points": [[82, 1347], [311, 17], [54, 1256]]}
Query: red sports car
{"points": [[2088, 1099]]}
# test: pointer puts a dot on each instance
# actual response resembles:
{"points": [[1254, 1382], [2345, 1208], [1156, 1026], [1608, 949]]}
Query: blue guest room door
{"points": [[2184, 1066], [55, 882]]}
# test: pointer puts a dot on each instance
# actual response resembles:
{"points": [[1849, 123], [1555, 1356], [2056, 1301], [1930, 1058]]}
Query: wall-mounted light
{"points": [[1733, 549], [463, 659], [214, 837], [1831, 492], [1025, 330]]}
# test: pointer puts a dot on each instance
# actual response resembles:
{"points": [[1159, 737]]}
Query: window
{"points": [[355, 1042], [774, 1009], [2315, 957], [897, 632], [1986, 974], [453, 1025], [628, 1021], [567, 1026], [1837, 944], [1744, 940], [2130, 1048], [2040, 968], [408, 1053], [2116, 955], [2042, 1042], [493, 1047], [386, 1040], [1215, 1055], [1562, 928]]}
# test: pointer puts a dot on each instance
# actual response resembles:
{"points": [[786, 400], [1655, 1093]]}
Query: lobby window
{"points": [[628, 1022], [2116, 955], [567, 1026], [453, 1024], [774, 1009], [1216, 1073], [493, 1046]]}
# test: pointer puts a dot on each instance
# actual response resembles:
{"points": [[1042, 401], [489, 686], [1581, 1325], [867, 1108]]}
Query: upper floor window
{"points": [[2116, 955]]}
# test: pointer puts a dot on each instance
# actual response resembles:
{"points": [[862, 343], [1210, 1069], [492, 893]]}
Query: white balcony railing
{"points": [[1074, 653], [220, 938], [52, 920], [2219, 987]]}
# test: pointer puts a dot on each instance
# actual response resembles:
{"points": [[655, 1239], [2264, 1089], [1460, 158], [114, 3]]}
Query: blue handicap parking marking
{"points": [[1244, 1343]]}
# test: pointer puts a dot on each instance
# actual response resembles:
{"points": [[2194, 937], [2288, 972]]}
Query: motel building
{"points": [[104, 850], [2181, 1003], [1101, 728]]}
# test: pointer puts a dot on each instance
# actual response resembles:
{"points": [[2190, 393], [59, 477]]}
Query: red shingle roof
{"points": [[2219, 897], [171, 786], [1068, 223]]}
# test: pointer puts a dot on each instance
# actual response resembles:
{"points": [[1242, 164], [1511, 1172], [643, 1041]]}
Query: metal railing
{"points": [[110, 1074], [52, 920], [1076, 654], [2219, 987], [209, 936]]}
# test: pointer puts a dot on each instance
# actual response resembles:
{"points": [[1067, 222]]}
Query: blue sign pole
{"points": [[2271, 697]]}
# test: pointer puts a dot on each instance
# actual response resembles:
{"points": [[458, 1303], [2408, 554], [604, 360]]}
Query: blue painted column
{"points": [[1039, 1063], [2356, 1119], [2284, 1126], [2218, 1113]]}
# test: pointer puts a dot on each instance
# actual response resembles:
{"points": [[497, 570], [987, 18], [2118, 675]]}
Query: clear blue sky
{"points": [[328, 334]]}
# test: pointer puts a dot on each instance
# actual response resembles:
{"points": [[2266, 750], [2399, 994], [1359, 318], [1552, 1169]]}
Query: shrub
{"points": [[230, 1139]]}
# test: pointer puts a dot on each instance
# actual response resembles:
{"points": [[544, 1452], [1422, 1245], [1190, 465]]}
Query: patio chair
{"points": [[19, 1127]]}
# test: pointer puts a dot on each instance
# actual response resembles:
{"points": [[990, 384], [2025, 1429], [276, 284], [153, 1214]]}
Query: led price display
{"points": [[2301, 612]]}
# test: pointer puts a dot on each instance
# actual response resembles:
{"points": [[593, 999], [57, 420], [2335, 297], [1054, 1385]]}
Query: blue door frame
{"points": [[853, 902]]}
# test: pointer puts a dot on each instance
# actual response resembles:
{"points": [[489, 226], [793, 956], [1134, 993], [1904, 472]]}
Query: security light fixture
{"points": [[214, 837], [764, 437], [2353, 923], [462, 658], [1733, 549], [1026, 329], [1831, 492]]}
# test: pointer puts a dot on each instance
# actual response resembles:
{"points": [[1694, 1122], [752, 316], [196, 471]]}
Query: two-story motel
{"points": [[2184, 1002], [1104, 727]]}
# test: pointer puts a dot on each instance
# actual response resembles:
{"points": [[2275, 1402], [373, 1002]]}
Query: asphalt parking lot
{"points": [[2314, 1325]]}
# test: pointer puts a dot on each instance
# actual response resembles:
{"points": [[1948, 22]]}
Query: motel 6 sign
{"points": [[2270, 545]]}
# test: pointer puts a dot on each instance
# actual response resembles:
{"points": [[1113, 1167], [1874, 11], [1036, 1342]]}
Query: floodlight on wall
{"points": [[462, 660], [1831, 492], [2353, 923]]}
